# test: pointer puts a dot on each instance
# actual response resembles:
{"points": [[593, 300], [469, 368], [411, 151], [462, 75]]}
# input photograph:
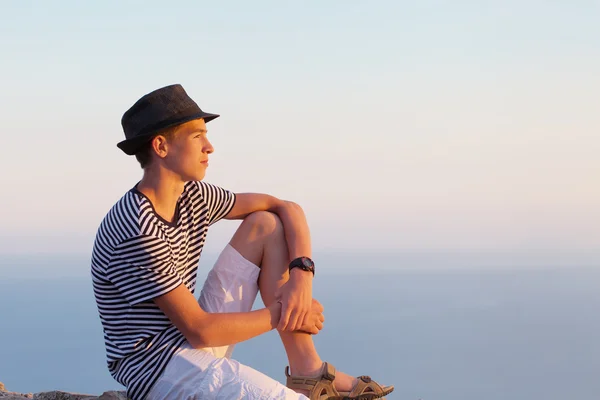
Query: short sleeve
{"points": [[219, 201], [142, 269]]}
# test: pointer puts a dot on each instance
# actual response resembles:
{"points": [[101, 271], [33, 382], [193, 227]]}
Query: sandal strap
{"points": [[328, 371], [302, 383], [366, 385], [315, 385]]}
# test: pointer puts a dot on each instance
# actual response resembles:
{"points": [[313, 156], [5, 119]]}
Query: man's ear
{"points": [[160, 145]]}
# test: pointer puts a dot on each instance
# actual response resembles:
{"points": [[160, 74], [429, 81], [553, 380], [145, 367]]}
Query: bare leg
{"points": [[260, 239]]}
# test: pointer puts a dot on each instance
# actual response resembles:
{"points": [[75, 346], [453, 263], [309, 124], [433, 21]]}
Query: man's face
{"points": [[187, 151]]}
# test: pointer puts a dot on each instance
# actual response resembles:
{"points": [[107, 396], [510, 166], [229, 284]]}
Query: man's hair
{"points": [[144, 155]]}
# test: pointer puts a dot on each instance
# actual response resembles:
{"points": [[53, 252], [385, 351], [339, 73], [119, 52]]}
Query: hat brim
{"points": [[133, 145]]}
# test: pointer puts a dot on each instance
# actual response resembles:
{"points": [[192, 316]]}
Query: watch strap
{"points": [[304, 263]]}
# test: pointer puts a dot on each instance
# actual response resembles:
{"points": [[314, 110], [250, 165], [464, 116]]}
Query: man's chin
{"points": [[198, 177], [194, 175]]}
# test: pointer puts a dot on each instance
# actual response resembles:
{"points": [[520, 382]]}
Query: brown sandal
{"points": [[321, 387]]}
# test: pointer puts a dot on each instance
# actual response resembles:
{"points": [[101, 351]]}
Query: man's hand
{"points": [[313, 322], [296, 300]]}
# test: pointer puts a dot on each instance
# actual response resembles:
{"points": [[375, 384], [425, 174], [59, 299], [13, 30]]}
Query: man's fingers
{"points": [[321, 318], [303, 320], [292, 326], [319, 325], [317, 328], [317, 306], [308, 317], [284, 319]]}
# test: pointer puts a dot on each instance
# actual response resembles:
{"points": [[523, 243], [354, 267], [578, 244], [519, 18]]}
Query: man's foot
{"points": [[325, 382], [342, 382]]}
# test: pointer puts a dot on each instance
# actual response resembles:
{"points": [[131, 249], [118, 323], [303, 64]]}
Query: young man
{"points": [[163, 343]]}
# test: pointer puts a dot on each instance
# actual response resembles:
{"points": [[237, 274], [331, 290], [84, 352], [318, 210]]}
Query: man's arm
{"points": [[297, 296], [203, 329], [144, 275]]}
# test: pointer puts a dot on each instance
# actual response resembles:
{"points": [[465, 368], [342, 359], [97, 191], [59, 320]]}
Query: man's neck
{"points": [[163, 190]]}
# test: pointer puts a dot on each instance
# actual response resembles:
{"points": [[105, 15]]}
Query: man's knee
{"points": [[262, 223], [254, 233]]}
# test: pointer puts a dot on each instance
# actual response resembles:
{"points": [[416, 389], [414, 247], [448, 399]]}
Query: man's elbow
{"points": [[197, 330], [197, 342], [199, 338]]}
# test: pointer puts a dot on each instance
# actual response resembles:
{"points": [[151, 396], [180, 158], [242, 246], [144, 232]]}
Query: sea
{"points": [[437, 325]]}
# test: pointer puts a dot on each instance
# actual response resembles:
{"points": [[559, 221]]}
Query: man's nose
{"points": [[208, 147]]}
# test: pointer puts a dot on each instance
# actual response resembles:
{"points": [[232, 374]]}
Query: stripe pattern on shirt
{"points": [[138, 256]]}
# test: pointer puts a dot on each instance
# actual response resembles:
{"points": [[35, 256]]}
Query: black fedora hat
{"points": [[155, 112]]}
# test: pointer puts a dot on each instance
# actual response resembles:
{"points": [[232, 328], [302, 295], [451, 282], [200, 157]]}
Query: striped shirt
{"points": [[138, 256]]}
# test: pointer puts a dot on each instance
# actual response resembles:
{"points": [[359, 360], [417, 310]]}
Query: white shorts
{"points": [[231, 286]]}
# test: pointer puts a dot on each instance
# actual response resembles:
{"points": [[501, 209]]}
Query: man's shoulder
{"points": [[123, 219], [127, 207], [210, 189], [207, 194], [191, 186], [197, 191]]}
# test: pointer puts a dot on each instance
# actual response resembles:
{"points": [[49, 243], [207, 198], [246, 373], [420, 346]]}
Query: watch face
{"points": [[306, 262]]}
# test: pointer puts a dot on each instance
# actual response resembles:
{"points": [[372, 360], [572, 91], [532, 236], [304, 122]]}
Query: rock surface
{"points": [[58, 395]]}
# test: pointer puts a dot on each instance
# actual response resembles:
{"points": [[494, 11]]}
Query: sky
{"points": [[465, 125]]}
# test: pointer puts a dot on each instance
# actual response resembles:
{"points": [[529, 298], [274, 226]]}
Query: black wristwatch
{"points": [[303, 263]]}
